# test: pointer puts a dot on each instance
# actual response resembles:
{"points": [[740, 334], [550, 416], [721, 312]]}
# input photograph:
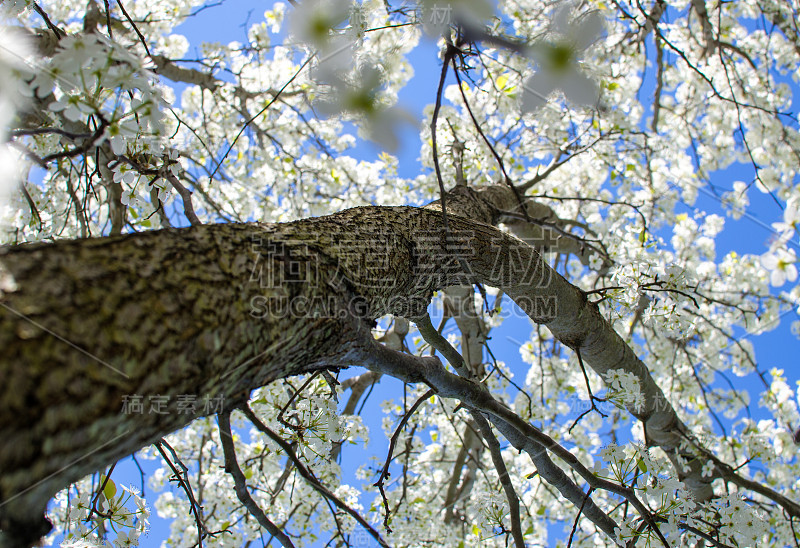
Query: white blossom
{"points": [[558, 62], [781, 264]]}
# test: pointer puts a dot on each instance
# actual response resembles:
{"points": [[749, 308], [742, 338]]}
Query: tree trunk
{"points": [[91, 327]]}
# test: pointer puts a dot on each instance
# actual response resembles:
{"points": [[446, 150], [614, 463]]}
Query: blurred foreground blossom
{"points": [[14, 94], [313, 20], [558, 62], [362, 97], [436, 16], [353, 87]]}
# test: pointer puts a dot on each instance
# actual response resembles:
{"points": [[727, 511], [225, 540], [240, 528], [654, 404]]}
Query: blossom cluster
{"points": [[624, 388], [354, 82], [728, 519], [99, 514]]}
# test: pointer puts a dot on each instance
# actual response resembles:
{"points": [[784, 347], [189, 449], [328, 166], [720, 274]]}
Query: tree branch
{"points": [[240, 483], [547, 469], [164, 322], [307, 475]]}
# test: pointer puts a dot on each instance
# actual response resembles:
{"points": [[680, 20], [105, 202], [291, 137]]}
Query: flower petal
{"points": [[561, 18], [536, 89], [589, 30], [580, 89], [118, 145]]}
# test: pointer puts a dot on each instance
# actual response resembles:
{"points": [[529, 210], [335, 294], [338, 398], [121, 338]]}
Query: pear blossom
{"points": [[312, 21], [362, 98], [558, 61], [129, 198], [624, 387], [437, 16], [126, 539], [781, 264], [737, 199], [73, 106], [791, 219], [14, 7]]}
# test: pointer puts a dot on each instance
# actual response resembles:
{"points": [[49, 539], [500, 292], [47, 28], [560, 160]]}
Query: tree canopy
{"points": [[207, 262]]}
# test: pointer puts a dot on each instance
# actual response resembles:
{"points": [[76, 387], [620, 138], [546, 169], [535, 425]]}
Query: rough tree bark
{"points": [[219, 310]]}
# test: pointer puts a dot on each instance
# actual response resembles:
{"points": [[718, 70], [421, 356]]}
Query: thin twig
{"points": [[135, 28], [101, 491], [385, 471], [306, 474], [57, 31], [259, 113], [240, 483], [578, 517], [183, 481], [434, 119], [186, 198], [592, 397], [505, 479]]}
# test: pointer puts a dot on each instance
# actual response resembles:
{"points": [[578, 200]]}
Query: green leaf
{"points": [[110, 489], [642, 466], [643, 236]]}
